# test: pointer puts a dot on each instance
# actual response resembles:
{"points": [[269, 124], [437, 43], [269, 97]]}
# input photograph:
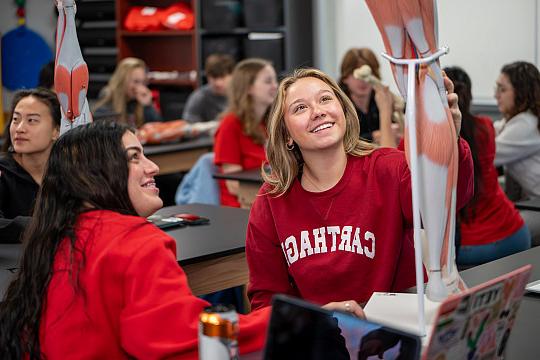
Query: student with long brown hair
{"points": [[96, 279], [334, 217], [240, 138], [490, 227]]}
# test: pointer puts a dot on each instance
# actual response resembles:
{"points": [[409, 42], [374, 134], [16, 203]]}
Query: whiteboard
{"points": [[482, 35]]}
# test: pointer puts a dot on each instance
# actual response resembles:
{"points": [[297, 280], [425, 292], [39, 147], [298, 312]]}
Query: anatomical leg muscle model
{"points": [[408, 28], [71, 72]]}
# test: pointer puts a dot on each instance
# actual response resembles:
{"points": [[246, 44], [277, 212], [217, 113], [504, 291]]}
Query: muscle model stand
{"points": [[71, 72], [408, 29]]}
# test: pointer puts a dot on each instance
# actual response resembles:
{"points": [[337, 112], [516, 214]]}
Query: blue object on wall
{"points": [[24, 52]]}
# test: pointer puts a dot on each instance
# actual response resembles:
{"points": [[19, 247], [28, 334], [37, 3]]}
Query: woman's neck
{"points": [[323, 170], [361, 102], [34, 164], [259, 110]]}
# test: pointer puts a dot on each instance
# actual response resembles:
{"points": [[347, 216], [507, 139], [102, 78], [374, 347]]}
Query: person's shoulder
{"points": [[6, 161], [525, 117], [484, 120], [230, 120], [382, 161], [199, 93], [386, 154], [115, 224], [8, 165]]}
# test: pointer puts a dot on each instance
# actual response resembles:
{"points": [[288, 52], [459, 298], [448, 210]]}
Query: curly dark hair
{"points": [[525, 80]]}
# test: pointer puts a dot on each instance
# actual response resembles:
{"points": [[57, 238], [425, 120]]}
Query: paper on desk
{"points": [[400, 311]]}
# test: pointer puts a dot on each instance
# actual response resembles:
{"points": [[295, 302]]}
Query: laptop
{"points": [[301, 330], [474, 324]]}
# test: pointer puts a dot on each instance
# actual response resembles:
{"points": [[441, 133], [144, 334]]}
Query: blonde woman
{"points": [[333, 220], [126, 94], [239, 141]]}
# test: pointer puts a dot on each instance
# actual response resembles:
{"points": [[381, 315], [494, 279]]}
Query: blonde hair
{"points": [[115, 91], [240, 102], [285, 164]]}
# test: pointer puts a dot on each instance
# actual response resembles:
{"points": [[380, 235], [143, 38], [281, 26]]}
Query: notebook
{"points": [[474, 324], [301, 330]]}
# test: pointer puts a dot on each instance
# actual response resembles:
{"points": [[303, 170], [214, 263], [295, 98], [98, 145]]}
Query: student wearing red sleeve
{"points": [[96, 279], [239, 140], [490, 226], [334, 218]]}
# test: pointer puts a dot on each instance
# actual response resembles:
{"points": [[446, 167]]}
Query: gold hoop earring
{"points": [[290, 147]]}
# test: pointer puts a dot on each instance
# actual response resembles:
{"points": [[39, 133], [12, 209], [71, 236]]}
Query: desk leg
{"points": [[213, 275]]}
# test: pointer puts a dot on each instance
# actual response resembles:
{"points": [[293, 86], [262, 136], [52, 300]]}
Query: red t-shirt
{"points": [[133, 299], [493, 216], [232, 146], [343, 243]]}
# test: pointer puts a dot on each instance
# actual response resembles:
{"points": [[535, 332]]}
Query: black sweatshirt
{"points": [[17, 195]]}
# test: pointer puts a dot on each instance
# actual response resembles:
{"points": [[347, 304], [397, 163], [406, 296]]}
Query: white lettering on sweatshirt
{"points": [[349, 241]]}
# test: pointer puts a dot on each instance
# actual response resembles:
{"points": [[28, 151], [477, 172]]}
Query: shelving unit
{"points": [[284, 29], [286, 40], [96, 30]]}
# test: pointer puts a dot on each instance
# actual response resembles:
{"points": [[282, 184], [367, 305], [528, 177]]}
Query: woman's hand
{"points": [[452, 98], [143, 95], [384, 100], [349, 306]]}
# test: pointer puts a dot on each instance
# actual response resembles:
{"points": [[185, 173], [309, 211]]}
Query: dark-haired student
{"points": [[208, 101], [98, 281], [30, 133], [490, 226]]}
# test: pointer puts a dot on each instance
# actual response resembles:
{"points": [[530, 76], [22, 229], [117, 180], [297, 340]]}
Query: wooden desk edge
{"points": [[213, 275]]}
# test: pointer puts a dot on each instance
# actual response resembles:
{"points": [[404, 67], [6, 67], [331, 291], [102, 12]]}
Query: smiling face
{"points": [[264, 88], [505, 95], [313, 116], [135, 79], [142, 190], [32, 129]]}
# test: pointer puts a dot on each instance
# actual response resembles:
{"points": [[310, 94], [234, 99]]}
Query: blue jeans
{"points": [[479, 254]]}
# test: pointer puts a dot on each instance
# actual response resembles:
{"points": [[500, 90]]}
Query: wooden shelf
{"points": [[157, 33], [241, 31], [174, 82]]}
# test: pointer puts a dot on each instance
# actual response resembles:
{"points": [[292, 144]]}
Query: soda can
{"points": [[218, 333]]}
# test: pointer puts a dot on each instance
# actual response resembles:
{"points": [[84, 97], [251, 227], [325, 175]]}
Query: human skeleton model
{"points": [[408, 28], [71, 72]]}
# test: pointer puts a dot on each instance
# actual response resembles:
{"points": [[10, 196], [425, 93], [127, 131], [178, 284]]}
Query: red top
{"points": [[232, 146], [132, 300], [492, 217], [343, 243]]}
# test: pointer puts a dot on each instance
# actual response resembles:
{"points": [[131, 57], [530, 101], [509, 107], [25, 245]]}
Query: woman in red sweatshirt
{"points": [[334, 218], [96, 279]]}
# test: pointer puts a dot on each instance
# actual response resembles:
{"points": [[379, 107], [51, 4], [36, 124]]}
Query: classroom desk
{"points": [[531, 204], [212, 255], [178, 157], [250, 182], [523, 342]]}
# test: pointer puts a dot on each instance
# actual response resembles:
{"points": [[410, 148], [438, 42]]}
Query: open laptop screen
{"points": [[300, 330]]}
